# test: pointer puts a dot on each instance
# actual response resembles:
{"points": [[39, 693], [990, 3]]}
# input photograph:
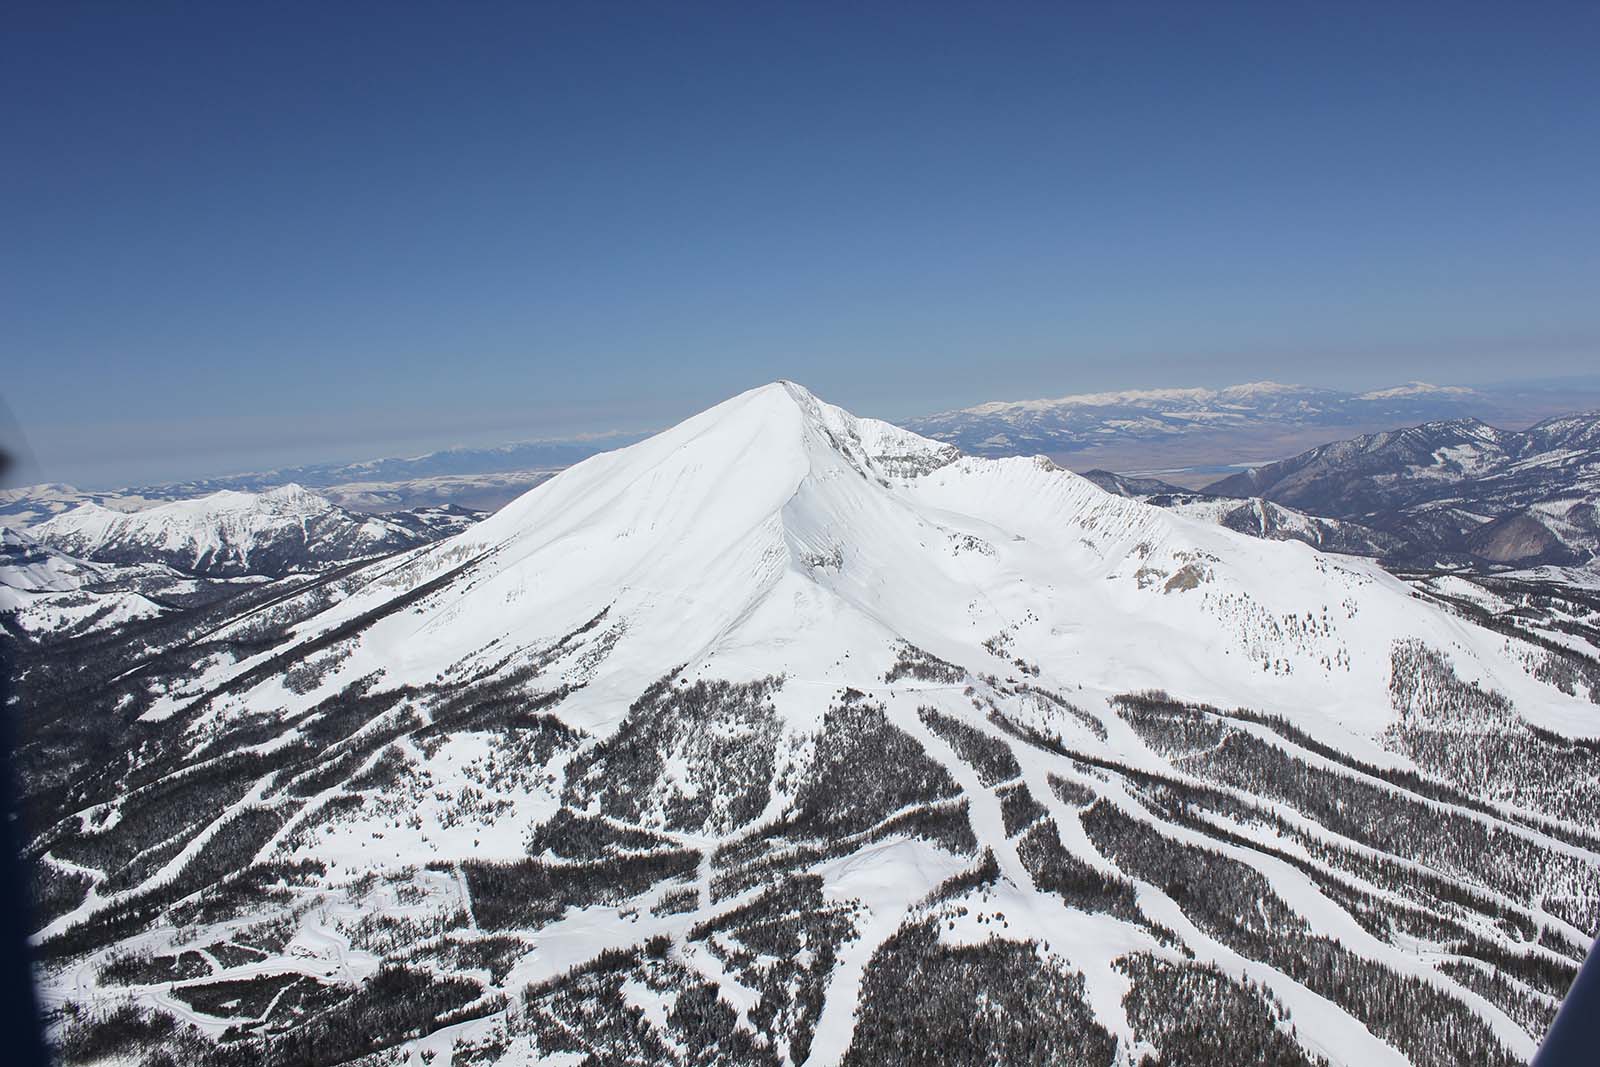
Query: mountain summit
{"points": [[789, 737], [774, 517]]}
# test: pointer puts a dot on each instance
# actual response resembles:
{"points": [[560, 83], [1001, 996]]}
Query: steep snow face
{"points": [[685, 537], [226, 533], [775, 534]]}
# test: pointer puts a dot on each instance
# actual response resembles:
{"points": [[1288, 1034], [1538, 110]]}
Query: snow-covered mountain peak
{"points": [[292, 497], [790, 415], [728, 469], [690, 532], [225, 533], [778, 534]]}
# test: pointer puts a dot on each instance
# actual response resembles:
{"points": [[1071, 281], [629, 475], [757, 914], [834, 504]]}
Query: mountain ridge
{"points": [[1458, 486], [225, 534]]}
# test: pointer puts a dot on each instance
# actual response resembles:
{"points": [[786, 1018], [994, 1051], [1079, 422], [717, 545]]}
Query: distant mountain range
{"points": [[90, 568], [1457, 490], [1257, 517], [30, 505], [1450, 494], [1071, 423], [1451, 490], [229, 534], [1185, 432]]}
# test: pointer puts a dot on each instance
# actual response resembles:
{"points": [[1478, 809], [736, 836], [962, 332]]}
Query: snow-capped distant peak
{"points": [[1410, 389], [1086, 420], [225, 533], [1143, 397]]}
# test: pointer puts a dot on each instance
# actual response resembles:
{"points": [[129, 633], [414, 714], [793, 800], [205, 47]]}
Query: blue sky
{"points": [[244, 235]]}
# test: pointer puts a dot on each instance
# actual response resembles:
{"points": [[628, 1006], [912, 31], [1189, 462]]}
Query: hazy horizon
{"points": [[1526, 399]]}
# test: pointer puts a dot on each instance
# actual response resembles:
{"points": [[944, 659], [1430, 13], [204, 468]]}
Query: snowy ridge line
{"points": [[278, 532]]}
